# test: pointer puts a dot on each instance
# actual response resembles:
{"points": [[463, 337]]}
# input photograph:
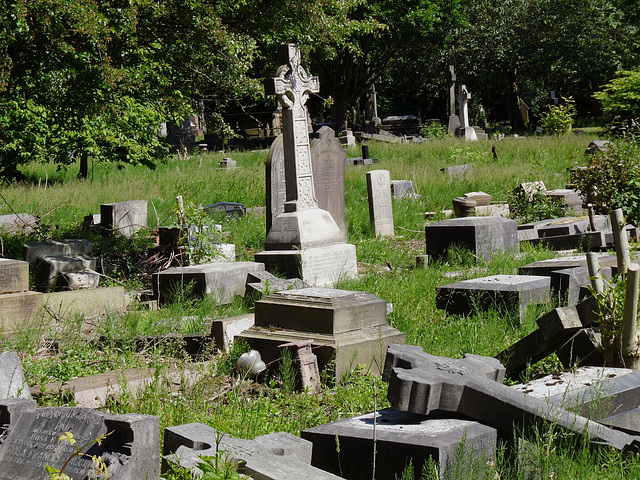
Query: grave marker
{"points": [[12, 381], [380, 206], [466, 130], [14, 276], [454, 120], [31, 440], [472, 387], [123, 218]]}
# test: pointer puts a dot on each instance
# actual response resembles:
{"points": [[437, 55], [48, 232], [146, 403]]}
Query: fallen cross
{"points": [[421, 383]]}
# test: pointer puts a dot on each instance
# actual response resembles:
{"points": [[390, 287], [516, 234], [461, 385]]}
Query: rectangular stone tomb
{"points": [[14, 276], [505, 293], [30, 440], [276, 456], [35, 251], [348, 326], [587, 241], [15, 308], [607, 395], [50, 268], [484, 236], [123, 218], [321, 310], [546, 267], [401, 437], [568, 284], [221, 281]]}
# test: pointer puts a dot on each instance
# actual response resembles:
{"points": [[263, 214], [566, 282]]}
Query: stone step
{"points": [[35, 251]]}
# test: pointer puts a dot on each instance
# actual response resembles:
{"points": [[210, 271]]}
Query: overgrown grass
{"points": [[239, 407]]}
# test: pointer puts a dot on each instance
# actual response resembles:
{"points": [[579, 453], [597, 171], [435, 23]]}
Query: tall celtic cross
{"points": [[292, 87]]}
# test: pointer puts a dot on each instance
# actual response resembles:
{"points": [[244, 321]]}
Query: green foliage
{"points": [[287, 372], [434, 130], [534, 207], [621, 96], [100, 467], [559, 119], [612, 179]]}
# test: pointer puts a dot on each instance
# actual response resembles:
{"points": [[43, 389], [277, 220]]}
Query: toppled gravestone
{"points": [[12, 381], [277, 456], [30, 440], [421, 383]]}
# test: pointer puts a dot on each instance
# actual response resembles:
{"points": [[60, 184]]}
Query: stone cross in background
{"points": [[465, 130], [292, 87], [454, 121]]}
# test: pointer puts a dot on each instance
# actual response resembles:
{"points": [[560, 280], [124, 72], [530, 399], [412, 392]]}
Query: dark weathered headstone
{"points": [[567, 284], [482, 235], [277, 456], [469, 387], [401, 438], [230, 208], [30, 441]]}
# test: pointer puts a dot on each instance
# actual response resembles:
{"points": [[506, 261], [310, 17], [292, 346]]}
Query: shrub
{"points": [[533, 207], [434, 130], [559, 119], [612, 180]]}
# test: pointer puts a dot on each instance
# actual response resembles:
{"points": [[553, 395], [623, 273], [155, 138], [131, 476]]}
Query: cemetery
{"points": [[368, 303]]}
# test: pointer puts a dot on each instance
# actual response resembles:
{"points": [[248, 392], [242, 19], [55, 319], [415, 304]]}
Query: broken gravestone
{"points": [[30, 440], [421, 383], [12, 381]]}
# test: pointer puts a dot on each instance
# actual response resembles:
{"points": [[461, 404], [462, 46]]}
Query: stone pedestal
{"points": [[321, 266], [347, 326]]}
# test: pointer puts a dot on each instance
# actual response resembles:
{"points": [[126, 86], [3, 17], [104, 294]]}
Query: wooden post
{"points": [[592, 217], [629, 337], [621, 240]]}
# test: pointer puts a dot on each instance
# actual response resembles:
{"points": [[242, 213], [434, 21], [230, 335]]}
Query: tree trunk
{"points": [[84, 166]]}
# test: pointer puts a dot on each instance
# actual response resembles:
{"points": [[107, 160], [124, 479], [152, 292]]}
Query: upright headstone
{"points": [[466, 130], [302, 237], [328, 160], [380, 205], [14, 276], [30, 440], [12, 381], [454, 120]]}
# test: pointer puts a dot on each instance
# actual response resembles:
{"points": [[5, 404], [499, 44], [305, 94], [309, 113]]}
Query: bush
{"points": [[434, 130], [559, 119], [612, 180], [534, 207]]}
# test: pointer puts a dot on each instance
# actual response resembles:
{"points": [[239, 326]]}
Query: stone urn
{"points": [[464, 207]]}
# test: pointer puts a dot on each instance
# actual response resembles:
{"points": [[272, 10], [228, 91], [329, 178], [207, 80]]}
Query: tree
{"points": [[621, 96], [82, 79]]}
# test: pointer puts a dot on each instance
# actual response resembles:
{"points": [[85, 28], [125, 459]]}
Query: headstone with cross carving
{"points": [[454, 120], [466, 131], [421, 383], [304, 240]]}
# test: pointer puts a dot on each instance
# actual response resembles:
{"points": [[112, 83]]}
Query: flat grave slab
{"points": [[221, 281], [482, 235], [506, 293], [546, 267], [30, 440], [401, 437], [35, 251], [14, 276], [88, 301]]}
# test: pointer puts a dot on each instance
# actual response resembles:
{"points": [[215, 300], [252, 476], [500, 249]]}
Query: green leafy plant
{"points": [[559, 119], [533, 207], [99, 464], [612, 179], [434, 130]]}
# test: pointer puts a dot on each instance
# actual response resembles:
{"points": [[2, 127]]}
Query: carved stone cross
{"points": [[451, 80], [421, 383], [292, 87]]}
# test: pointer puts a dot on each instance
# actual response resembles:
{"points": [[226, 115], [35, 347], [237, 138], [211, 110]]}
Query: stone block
{"points": [[277, 456], [457, 170], [225, 330], [321, 310], [404, 189], [49, 268], [35, 251], [583, 348], [482, 235], [567, 284], [568, 197], [482, 199], [87, 302], [77, 280], [401, 438], [263, 283], [19, 224], [320, 266], [546, 267], [220, 281], [14, 276], [123, 218], [505, 293], [365, 346], [12, 381], [131, 451], [15, 308]]}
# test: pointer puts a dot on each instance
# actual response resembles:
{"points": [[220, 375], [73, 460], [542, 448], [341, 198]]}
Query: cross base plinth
{"points": [[309, 228], [453, 124], [320, 266], [468, 133]]}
